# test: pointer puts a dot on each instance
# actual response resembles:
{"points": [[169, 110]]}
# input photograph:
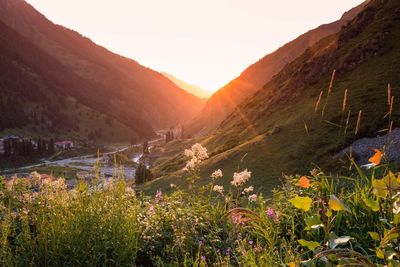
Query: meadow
{"points": [[312, 220]]}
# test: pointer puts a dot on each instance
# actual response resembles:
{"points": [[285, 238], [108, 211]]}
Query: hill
{"points": [[41, 96], [252, 79], [119, 87], [190, 88], [278, 130]]}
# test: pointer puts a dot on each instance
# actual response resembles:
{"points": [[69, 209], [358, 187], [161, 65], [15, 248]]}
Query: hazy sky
{"points": [[204, 42]]}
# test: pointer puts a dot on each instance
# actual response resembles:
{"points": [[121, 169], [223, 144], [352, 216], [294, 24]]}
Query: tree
{"points": [[146, 147], [142, 174], [51, 146]]}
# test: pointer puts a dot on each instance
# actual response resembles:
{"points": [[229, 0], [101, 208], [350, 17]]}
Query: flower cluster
{"points": [[239, 178], [219, 189], [216, 174], [197, 154], [252, 198]]}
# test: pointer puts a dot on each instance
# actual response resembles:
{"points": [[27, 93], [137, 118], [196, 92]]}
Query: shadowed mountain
{"points": [[224, 101], [108, 83]]}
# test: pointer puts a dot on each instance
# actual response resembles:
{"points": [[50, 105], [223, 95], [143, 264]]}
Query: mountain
{"points": [[224, 101], [135, 96], [282, 129], [190, 88]]}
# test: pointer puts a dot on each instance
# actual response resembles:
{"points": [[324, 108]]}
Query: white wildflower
{"points": [[191, 163], [219, 189], [172, 185], [200, 151], [189, 153], [216, 174], [35, 175], [239, 178], [396, 207], [197, 154], [248, 189], [253, 198]]}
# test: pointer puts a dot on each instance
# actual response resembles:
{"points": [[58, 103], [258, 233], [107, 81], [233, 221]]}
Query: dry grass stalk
{"points": [[358, 122], [318, 101], [344, 101]]}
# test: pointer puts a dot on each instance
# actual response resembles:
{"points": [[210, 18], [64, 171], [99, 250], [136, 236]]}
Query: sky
{"points": [[203, 42]]}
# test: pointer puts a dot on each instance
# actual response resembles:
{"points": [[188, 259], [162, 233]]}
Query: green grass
{"points": [[288, 102], [349, 220]]}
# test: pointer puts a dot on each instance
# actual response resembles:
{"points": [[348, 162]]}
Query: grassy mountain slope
{"points": [[138, 93], [278, 131], [41, 96], [224, 101]]}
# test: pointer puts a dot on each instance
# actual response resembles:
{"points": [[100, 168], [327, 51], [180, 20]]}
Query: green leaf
{"points": [[303, 203], [311, 245], [374, 236], [372, 204], [379, 253], [313, 222], [396, 218], [336, 204], [335, 241]]}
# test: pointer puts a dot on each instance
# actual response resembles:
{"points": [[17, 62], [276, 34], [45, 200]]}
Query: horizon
{"points": [[204, 51]]}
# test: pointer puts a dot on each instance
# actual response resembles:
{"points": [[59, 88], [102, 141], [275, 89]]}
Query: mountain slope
{"points": [[223, 102], [137, 92], [190, 88], [278, 130], [39, 95]]}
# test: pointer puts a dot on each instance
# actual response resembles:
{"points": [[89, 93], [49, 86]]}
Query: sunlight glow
{"points": [[206, 43]]}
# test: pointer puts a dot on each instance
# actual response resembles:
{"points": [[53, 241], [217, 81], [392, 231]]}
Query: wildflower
{"points": [[203, 258], [272, 214], [200, 151], [219, 189], [240, 178], [35, 175], [376, 158], [253, 198], [250, 242], [158, 195], [216, 174], [197, 154], [237, 219], [248, 189], [304, 182], [396, 207], [191, 163], [172, 185], [189, 153], [151, 209]]}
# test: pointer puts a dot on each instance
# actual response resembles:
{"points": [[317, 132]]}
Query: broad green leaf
{"points": [[380, 188], [372, 204], [313, 222], [396, 218], [336, 204], [311, 245], [303, 203], [374, 236], [379, 253], [335, 241]]}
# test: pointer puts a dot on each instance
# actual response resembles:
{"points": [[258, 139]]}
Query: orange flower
{"points": [[376, 159], [304, 182], [291, 264]]}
